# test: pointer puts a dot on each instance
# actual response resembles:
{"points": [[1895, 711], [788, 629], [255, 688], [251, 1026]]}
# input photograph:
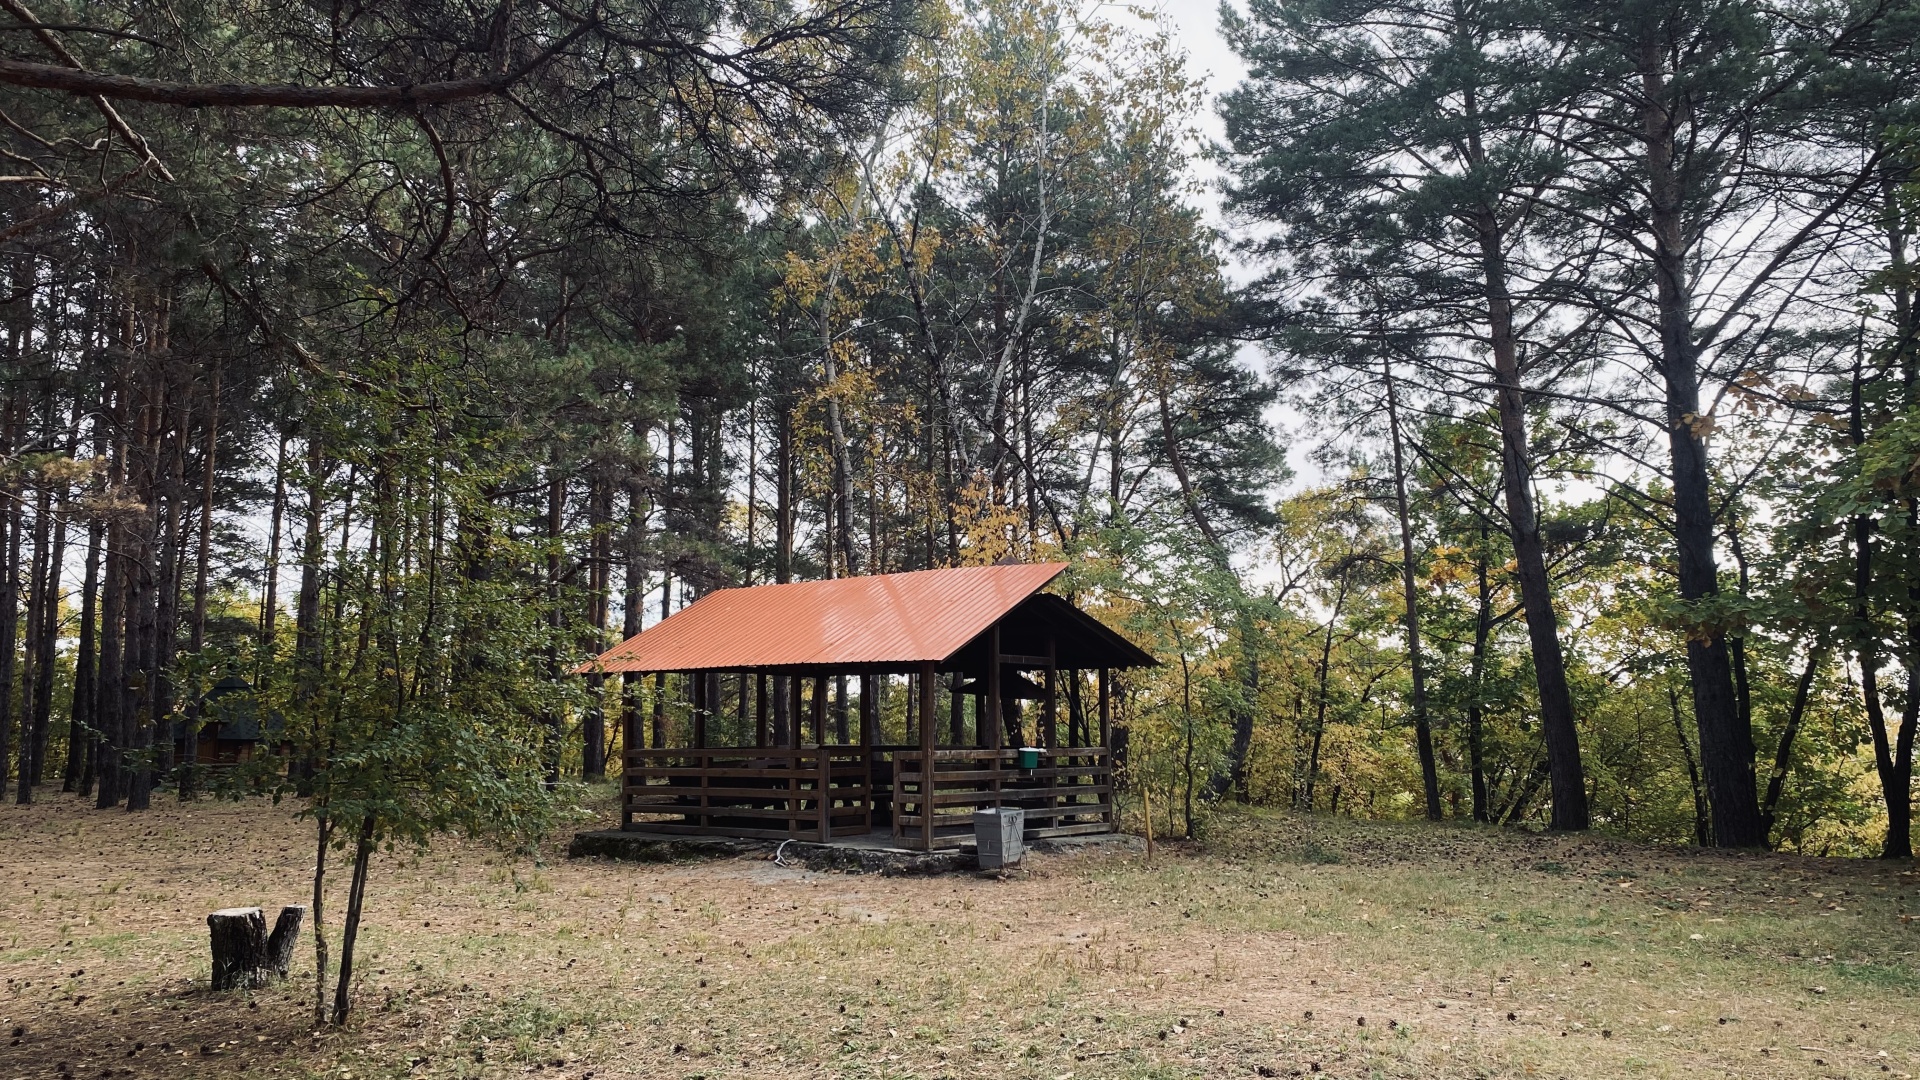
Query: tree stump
{"points": [[244, 956], [239, 948], [286, 931]]}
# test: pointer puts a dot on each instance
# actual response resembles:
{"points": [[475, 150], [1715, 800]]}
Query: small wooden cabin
{"points": [[228, 729], [984, 661]]}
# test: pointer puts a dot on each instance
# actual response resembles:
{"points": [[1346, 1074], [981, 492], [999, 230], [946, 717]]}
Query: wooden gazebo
{"points": [[764, 660]]}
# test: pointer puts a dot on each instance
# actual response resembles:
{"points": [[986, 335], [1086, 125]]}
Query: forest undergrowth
{"points": [[1277, 945]]}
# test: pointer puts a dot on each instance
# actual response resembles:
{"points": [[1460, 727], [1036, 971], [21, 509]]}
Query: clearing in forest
{"points": [[1278, 946]]}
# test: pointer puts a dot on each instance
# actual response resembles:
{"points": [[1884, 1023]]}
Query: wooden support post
{"points": [[996, 713], [996, 719], [1106, 713], [819, 710], [869, 722], [792, 761], [1106, 740], [825, 786], [899, 766], [698, 687], [1050, 728], [956, 719], [926, 752], [1050, 712], [760, 711], [794, 737], [697, 684], [629, 741]]}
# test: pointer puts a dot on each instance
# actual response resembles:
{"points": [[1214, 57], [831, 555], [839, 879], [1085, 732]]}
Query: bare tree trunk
{"points": [[350, 928], [31, 657], [593, 727], [1476, 681], [10, 524], [1783, 753], [1702, 818], [109, 701], [1726, 747], [1320, 694], [1422, 729], [84, 719], [142, 595], [1564, 767], [309, 657], [556, 622], [270, 598], [50, 630]]}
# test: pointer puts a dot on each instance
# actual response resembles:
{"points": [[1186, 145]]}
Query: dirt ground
{"points": [[1278, 946]]}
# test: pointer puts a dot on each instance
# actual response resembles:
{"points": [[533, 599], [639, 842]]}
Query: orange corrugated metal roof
{"points": [[925, 615]]}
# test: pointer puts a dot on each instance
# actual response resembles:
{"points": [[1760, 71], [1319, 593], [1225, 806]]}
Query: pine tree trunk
{"points": [[143, 598], [308, 657], [1566, 772], [1476, 680], [84, 719], [109, 701], [1422, 729], [32, 727], [49, 635], [270, 600], [1726, 746], [9, 591]]}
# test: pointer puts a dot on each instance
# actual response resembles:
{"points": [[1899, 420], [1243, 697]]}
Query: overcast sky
{"points": [[1196, 24]]}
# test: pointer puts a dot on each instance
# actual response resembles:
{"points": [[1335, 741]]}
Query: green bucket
{"points": [[1029, 757]]}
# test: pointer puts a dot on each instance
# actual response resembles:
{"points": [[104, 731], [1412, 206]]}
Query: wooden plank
{"points": [[723, 812], [807, 751], [954, 798], [981, 776], [1091, 829], [1011, 755], [776, 794], [1082, 810], [700, 830], [722, 773]]}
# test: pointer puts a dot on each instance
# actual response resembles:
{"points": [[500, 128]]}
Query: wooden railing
{"points": [[1070, 793], [809, 793]]}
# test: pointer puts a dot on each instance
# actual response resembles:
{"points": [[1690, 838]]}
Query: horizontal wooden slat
{"points": [[1084, 809], [1022, 660], [680, 791], [1088, 829], [975, 754], [709, 830], [962, 776], [780, 775], [781, 791], [732, 812], [948, 798], [808, 751]]}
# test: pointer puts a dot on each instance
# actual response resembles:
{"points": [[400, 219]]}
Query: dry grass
{"points": [[1257, 953]]}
